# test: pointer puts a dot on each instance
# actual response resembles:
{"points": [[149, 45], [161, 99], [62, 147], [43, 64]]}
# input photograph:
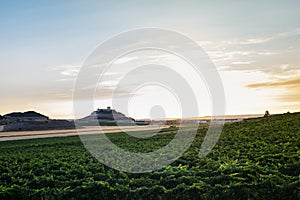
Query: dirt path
{"points": [[23, 135]]}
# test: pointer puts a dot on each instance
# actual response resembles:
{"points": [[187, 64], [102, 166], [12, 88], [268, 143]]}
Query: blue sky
{"points": [[251, 42]]}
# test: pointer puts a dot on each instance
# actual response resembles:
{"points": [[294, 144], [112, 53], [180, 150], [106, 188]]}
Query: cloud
{"points": [[67, 73], [125, 60], [242, 62], [224, 44], [268, 39], [282, 70], [277, 83], [236, 60], [60, 88], [264, 54], [272, 61], [68, 70], [290, 86]]}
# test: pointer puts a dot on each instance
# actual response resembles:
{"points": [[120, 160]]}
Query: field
{"points": [[253, 159]]}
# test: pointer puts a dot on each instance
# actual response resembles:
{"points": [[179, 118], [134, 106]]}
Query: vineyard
{"points": [[253, 159]]}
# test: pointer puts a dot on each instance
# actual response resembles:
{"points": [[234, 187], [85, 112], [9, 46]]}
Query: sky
{"points": [[253, 44]]}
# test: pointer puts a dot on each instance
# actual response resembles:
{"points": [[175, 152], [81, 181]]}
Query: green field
{"points": [[253, 159]]}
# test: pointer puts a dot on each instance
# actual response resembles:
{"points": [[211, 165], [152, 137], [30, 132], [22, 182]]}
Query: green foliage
{"points": [[253, 159]]}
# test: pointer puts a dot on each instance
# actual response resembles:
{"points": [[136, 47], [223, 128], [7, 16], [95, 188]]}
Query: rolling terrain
{"points": [[253, 159]]}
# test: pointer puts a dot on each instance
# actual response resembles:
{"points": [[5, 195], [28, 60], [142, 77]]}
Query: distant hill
{"points": [[107, 117], [2, 120], [32, 121], [28, 114], [39, 125]]}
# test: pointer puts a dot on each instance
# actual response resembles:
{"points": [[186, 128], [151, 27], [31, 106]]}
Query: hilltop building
{"points": [[109, 115]]}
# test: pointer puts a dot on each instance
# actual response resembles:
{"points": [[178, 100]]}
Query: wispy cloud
{"points": [[61, 89], [232, 58], [270, 38], [224, 44], [125, 59], [68, 70], [286, 83], [264, 54], [290, 86], [282, 71], [242, 62]]}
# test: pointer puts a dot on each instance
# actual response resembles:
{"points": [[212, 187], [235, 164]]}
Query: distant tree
{"points": [[267, 114]]}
